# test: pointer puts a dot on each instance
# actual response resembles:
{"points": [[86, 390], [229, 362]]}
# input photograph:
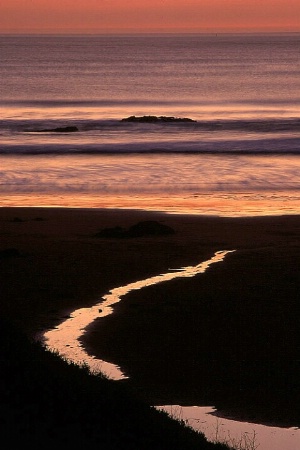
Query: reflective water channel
{"points": [[64, 339]]}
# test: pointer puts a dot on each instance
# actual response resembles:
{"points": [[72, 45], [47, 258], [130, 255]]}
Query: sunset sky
{"points": [[102, 16]]}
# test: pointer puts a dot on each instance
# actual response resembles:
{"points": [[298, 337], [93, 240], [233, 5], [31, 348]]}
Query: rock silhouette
{"points": [[70, 129], [155, 119]]}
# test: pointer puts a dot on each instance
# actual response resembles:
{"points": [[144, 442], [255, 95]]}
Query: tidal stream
{"points": [[64, 339]]}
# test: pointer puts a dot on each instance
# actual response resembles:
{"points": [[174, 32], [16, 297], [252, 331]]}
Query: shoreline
{"points": [[62, 266]]}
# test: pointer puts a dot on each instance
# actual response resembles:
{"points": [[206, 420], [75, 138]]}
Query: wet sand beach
{"points": [[228, 337]]}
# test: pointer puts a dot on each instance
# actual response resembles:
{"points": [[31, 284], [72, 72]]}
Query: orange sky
{"points": [[148, 15]]}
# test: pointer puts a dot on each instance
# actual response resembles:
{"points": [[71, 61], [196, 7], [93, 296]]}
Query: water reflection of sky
{"points": [[201, 184], [65, 339], [226, 205], [243, 435]]}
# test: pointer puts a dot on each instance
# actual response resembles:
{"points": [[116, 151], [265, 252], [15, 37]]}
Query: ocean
{"points": [[240, 154]]}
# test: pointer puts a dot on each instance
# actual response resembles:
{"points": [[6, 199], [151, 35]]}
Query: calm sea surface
{"points": [[241, 156]]}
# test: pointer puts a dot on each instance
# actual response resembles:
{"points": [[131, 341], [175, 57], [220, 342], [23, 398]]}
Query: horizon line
{"points": [[135, 32]]}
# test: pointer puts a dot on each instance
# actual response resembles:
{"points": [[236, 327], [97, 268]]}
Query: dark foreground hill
{"points": [[46, 401]]}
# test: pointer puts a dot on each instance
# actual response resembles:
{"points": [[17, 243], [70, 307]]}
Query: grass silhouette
{"points": [[46, 400]]}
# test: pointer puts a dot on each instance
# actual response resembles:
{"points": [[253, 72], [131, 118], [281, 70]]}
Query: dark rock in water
{"points": [[9, 253], [155, 119], [145, 228], [149, 227], [57, 130]]}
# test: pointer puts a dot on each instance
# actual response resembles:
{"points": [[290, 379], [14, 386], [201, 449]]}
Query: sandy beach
{"points": [[229, 337]]}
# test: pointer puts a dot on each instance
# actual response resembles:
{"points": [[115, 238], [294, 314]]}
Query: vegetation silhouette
{"points": [[45, 399]]}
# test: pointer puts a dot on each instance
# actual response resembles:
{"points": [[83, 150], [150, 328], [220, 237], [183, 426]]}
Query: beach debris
{"points": [[38, 219], [144, 228], [114, 232], [155, 119], [17, 220]]}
